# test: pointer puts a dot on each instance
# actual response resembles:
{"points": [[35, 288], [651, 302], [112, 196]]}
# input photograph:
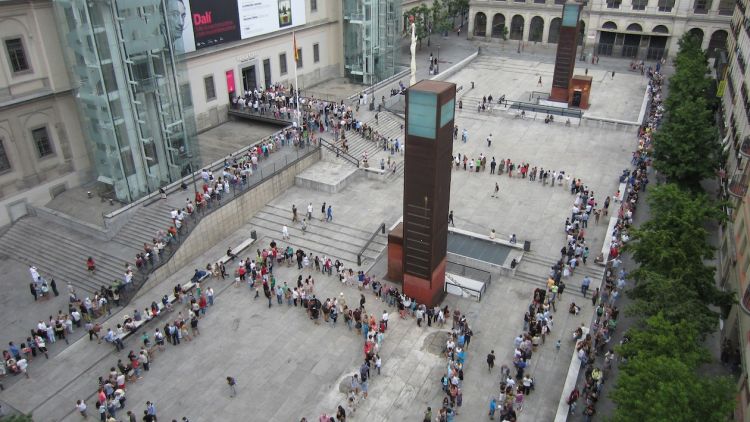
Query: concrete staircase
{"points": [[143, 225], [535, 270], [332, 239], [59, 255]]}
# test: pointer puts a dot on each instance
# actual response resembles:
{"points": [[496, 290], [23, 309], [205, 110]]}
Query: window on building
{"points": [[208, 82], [666, 5], [313, 5], [4, 162], [640, 4], [16, 55], [316, 53], [42, 142], [299, 58], [282, 63], [613, 4], [701, 6]]}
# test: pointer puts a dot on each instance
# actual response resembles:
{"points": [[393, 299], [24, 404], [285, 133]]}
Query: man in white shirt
{"points": [[384, 318]]}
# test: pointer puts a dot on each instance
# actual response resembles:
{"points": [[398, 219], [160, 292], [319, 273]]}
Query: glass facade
{"points": [[131, 90], [371, 39]]}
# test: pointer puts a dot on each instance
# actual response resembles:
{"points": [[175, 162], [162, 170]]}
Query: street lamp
{"points": [[437, 66], [192, 175]]}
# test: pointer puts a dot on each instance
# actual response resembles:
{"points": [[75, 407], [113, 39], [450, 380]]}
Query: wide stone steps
{"points": [[331, 239], [592, 270], [534, 281], [143, 225], [344, 229], [59, 257]]}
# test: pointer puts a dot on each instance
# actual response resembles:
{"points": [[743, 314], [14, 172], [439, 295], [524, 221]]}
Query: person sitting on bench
{"points": [[231, 254], [198, 276]]}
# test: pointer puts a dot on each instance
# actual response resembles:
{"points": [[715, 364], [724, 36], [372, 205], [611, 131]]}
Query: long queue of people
{"points": [[593, 352], [192, 303]]}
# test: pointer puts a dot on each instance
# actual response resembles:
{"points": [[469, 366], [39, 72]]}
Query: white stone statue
{"points": [[413, 49]]}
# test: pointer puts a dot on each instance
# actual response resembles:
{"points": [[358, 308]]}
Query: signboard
{"points": [[206, 23], [230, 81]]}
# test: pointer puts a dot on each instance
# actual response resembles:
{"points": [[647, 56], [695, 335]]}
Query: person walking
{"points": [[539, 83], [585, 285], [81, 408], [329, 214], [450, 219], [232, 383], [323, 211], [497, 190], [489, 141], [490, 361], [285, 233], [32, 287]]}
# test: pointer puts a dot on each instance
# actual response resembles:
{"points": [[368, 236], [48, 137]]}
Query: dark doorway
{"points": [[249, 83], [656, 47], [606, 43], [577, 98], [267, 73], [630, 47]]}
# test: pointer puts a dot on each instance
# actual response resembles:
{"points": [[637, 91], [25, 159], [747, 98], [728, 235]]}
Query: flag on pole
{"points": [[294, 44]]}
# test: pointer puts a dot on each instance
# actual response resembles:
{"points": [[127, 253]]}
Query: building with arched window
{"points": [[636, 29], [734, 255]]}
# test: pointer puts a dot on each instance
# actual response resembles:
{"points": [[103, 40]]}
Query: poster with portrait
{"points": [[213, 22], [180, 28]]}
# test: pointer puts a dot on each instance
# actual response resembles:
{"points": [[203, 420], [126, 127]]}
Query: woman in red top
{"points": [[90, 265]]}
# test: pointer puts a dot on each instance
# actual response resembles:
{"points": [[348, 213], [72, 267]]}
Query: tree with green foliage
{"points": [[421, 15], [656, 387], [686, 149], [691, 80], [441, 16]]}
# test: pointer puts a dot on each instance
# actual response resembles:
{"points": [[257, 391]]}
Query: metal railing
{"points": [[381, 229], [468, 272], [557, 111], [141, 276], [339, 152]]}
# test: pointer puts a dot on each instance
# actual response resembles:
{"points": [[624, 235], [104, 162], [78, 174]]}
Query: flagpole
{"points": [[296, 82]]}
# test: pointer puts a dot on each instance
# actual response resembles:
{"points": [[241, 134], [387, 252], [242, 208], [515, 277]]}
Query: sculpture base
{"points": [[559, 95], [430, 292], [396, 254]]}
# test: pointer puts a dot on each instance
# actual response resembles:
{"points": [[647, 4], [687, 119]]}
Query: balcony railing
{"points": [[745, 147], [738, 185]]}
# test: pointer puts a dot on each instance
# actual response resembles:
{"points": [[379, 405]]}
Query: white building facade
{"points": [[215, 73], [636, 29]]}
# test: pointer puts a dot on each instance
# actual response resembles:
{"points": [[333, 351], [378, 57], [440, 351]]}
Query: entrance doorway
{"points": [[249, 81]]}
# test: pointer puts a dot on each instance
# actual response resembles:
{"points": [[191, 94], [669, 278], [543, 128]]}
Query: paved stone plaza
{"points": [[287, 367]]}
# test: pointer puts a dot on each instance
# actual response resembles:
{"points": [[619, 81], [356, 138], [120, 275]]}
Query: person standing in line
{"points": [[595, 297], [493, 164], [151, 410], [232, 383]]}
